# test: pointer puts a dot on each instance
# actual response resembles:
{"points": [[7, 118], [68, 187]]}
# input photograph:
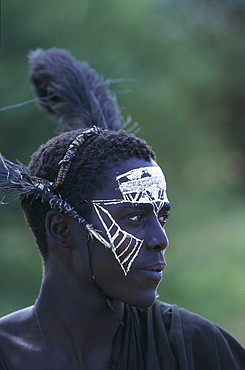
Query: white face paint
{"points": [[130, 245], [141, 185], [144, 185]]}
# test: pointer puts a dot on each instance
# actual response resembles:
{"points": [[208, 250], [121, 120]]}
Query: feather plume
{"points": [[17, 177], [14, 177], [76, 96]]}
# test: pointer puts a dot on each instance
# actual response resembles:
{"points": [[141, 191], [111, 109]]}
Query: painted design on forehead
{"points": [[140, 185], [124, 246], [144, 185]]}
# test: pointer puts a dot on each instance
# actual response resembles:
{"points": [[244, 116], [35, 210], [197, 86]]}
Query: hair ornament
{"points": [[70, 153], [17, 177], [76, 96], [19, 105]]}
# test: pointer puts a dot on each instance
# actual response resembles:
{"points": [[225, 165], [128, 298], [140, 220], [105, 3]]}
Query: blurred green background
{"points": [[183, 65]]}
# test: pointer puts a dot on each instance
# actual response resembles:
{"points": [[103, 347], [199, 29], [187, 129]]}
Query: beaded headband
{"points": [[70, 153]]}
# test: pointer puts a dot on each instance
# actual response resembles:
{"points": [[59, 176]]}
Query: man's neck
{"points": [[79, 312]]}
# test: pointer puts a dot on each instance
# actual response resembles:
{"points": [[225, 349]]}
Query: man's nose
{"points": [[156, 236]]}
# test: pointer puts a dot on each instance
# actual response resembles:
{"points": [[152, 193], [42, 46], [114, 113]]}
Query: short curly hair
{"points": [[87, 174]]}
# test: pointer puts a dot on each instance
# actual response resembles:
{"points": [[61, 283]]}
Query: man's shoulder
{"points": [[17, 338], [180, 316], [189, 323], [192, 331], [14, 329], [14, 322]]}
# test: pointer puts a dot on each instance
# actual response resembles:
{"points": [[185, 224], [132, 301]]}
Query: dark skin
{"points": [[77, 324]]}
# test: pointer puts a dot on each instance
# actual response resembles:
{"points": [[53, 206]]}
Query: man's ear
{"points": [[58, 228]]}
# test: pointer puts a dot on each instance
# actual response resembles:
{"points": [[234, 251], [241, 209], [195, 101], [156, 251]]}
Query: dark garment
{"points": [[4, 364], [162, 337]]}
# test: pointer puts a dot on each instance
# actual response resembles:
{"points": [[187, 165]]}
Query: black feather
{"points": [[16, 177], [77, 96]]}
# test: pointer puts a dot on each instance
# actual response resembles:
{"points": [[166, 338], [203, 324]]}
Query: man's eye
{"points": [[163, 219], [137, 217]]}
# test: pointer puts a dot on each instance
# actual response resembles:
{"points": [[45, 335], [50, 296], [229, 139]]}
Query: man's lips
{"points": [[154, 271], [154, 267]]}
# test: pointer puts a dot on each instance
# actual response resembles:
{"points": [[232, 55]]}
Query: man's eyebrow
{"points": [[146, 206], [122, 204]]}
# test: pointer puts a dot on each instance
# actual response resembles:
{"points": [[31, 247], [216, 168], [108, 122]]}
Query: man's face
{"points": [[131, 211], [139, 186]]}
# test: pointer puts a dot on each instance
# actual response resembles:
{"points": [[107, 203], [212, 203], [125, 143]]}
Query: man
{"points": [[96, 202]]}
